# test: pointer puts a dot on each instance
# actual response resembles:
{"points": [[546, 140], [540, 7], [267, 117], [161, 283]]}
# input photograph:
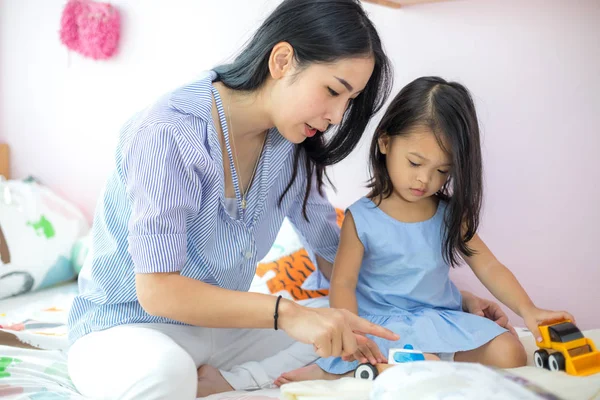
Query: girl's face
{"points": [[306, 101], [416, 163]]}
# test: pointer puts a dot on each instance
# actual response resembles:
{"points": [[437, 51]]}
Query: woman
{"points": [[202, 182]]}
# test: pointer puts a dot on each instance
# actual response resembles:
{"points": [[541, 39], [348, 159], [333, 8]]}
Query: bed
{"points": [[33, 340], [33, 334], [33, 360]]}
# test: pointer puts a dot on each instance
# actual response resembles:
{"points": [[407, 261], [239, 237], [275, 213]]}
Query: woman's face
{"points": [[308, 100]]}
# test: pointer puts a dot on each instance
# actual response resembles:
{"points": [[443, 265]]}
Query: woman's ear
{"points": [[281, 60]]}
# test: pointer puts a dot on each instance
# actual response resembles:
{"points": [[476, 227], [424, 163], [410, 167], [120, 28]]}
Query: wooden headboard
{"points": [[4, 161]]}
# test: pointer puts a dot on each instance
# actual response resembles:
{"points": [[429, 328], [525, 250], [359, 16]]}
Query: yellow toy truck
{"points": [[564, 348]]}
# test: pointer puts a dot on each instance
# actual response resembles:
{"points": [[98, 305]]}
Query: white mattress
{"points": [[33, 373]]}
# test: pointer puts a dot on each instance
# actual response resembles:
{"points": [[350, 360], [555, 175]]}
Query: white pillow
{"points": [[432, 380], [38, 230]]}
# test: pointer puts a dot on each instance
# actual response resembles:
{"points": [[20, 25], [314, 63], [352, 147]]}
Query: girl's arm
{"points": [[498, 279], [501, 282], [346, 267], [485, 308], [342, 292]]}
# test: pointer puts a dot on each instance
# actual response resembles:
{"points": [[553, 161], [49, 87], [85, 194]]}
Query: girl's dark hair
{"points": [[320, 31], [448, 110]]}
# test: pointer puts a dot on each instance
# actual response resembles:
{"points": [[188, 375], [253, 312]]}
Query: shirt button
{"points": [[248, 255]]}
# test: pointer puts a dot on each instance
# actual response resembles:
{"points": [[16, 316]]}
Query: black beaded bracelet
{"points": [[276, 315]]}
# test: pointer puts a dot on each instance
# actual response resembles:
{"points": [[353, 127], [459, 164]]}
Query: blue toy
{"points": [[369, 371]]}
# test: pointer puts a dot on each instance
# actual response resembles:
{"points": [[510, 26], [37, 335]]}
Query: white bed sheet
{"points": [[39, 320]]}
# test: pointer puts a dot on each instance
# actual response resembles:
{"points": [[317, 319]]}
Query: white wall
{"points": [[533, 67], [61, 113]]}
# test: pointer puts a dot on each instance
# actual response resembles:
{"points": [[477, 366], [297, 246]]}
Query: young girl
{"points": [[420, 218]]}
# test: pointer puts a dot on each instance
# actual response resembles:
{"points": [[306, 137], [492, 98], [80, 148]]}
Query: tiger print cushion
{"points": [[290, 271]]}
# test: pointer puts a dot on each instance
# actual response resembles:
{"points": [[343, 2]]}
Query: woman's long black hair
{"points": [[320, 31]]}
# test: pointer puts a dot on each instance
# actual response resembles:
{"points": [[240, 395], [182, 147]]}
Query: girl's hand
{"points": [[332, 332], [487, 309], [535, 317], [367, 352]]}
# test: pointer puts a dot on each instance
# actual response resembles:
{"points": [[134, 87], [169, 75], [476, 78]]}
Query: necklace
{"points": [[230, 130]]}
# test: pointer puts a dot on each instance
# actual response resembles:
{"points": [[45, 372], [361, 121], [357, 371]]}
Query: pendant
{"points": [[243, 204]]}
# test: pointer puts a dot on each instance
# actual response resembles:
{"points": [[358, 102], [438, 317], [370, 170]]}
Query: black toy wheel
{"points": [[366, 371], [540, 357], [556, 362]]}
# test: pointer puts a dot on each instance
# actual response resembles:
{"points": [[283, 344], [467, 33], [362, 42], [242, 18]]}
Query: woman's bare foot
{"points": [[210, 381], [308, 373]]}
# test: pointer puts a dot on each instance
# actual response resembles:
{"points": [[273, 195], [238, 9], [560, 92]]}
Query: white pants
{"points": [[160, 361]]}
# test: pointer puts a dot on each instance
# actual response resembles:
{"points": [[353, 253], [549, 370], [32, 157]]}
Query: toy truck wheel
{"points": [[366, 371], [556, 362], [541, 359]]}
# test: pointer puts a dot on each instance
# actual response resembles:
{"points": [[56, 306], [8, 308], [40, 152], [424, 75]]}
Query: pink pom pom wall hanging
{"points": [[90, 28]]}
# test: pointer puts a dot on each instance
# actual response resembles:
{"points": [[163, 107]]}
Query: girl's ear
{"points": [[384, 143]]}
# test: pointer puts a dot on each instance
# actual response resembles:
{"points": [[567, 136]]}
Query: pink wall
{"points": [[534, 69]]}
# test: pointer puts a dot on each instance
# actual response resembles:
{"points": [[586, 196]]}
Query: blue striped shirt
{"points": [[163, 210]]}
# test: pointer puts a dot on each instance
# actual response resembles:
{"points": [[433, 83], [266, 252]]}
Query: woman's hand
{"points": [[534, 317], [332, 332]]}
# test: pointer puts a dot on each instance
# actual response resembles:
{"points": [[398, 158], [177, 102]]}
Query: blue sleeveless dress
{"points": [[404, 285]]}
